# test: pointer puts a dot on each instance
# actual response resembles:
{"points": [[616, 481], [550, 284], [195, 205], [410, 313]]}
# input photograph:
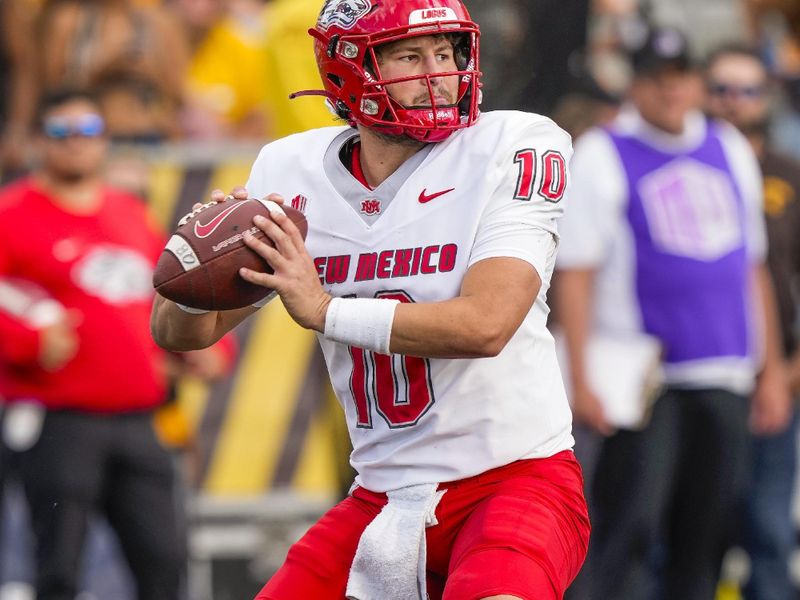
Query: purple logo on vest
{"points": [[691, 210]]}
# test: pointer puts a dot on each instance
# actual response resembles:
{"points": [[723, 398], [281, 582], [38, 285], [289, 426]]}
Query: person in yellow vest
{"points": [[291, 68], [227, 79]]}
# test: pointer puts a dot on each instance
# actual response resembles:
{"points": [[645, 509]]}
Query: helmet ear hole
{"points": [[335, 80], [461, 49]]}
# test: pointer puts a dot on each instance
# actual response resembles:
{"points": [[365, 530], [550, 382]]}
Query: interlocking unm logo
{"points": [[343, 13], [371, 207]]}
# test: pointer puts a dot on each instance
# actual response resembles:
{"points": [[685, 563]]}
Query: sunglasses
{"points": [[88, 125], [737, 91]]}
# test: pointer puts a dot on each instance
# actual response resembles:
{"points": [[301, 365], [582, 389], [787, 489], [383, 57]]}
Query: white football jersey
{"points": [[491, 190]]}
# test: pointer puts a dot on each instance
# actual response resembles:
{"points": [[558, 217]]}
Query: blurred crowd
{"points": [[220, 71], [162, 69], [177, 70]]}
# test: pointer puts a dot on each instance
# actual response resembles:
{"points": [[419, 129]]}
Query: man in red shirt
{"points": [[91, 373]]}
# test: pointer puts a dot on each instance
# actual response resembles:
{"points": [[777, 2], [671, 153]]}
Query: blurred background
{"points": [[191, 89]]}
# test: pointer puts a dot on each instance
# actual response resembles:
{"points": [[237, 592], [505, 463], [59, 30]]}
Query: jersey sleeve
{"points": [[592, 211], [519, 220], [256, 183]]}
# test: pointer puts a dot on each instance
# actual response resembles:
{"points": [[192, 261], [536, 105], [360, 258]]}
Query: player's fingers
{"points": [[291, 230], [217, 195], [263, 279], [239, 192], [276, 198], [274, 232], [265, 251]]}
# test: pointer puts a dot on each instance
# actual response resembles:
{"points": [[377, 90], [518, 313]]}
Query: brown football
{"points": [[200, 265]]}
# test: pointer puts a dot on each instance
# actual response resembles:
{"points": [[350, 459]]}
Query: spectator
{"points": [[504, 35], [19, 88], [664, 237], [121, 48], [738, 88], [223, 101], [550, 34], [777, 28], [555, 42], [93, 369], [587, 105], [291, 68], [707, 24]]}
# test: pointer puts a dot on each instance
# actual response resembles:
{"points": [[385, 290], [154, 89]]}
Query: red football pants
{"points": [[521, 530]]}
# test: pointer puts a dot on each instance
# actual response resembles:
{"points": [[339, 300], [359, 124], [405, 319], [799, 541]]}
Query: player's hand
{"points": [[588, 410], [295, 278], [59, 342], [217, 196], [237, 193], [771, 406]]}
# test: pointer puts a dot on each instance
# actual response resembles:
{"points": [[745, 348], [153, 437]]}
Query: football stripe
{"points": [[185, 254], [272, 207]]}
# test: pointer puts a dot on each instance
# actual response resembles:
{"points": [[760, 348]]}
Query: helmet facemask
{"points": [[427, 119]]}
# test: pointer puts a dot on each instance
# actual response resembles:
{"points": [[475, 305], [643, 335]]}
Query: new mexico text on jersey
{"points": [[416, 420]]}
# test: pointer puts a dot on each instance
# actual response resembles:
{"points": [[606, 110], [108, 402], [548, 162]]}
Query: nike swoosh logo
{"points": [[204, 230], [424, 198]]}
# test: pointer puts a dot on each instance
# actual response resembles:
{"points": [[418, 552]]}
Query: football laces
{"points": [[189, 216]]}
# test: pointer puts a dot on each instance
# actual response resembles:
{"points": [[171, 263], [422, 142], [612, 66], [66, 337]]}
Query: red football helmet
{"points": [[346, 36]]}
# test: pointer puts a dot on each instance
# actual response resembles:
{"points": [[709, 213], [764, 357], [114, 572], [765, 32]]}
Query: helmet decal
{"points": [[343, 13], [424, 15]]}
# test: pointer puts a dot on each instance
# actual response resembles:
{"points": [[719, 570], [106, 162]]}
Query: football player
{"points": [[431, 243]]}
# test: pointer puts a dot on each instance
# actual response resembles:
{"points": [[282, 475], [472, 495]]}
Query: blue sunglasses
{"points": [[744, 91], [88, 125]]}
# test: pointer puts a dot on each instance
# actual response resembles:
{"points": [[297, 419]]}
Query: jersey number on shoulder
{"points": [[554, 175], [399, 387]]}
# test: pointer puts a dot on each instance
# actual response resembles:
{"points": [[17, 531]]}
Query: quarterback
{"points": [[432, 239]]}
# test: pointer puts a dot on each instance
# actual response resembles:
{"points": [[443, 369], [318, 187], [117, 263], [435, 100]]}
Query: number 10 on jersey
{"points": [[397, 387]]}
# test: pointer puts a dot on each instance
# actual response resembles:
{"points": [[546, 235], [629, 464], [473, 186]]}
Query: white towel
{"points": [[390, 561]]}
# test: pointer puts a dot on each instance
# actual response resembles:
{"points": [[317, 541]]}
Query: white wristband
{"points": [[190, 310], [361, 322]]}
